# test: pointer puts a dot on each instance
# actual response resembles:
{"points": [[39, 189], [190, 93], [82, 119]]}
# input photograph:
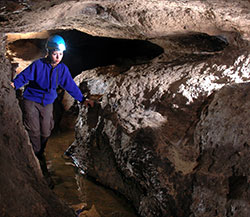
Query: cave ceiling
{"points": [[177, 27], [136, 19]]}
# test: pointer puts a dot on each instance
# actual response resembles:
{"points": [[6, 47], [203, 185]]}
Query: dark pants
{"points": [[38, 121]]}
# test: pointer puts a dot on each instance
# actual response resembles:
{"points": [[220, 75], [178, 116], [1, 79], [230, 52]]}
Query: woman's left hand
{"points": [[88, 102]]}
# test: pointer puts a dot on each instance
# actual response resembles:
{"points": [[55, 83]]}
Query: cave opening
{"points": [[86, 52]]}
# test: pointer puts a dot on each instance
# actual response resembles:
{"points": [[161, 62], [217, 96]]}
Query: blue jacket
{"points": [[43, 80]]}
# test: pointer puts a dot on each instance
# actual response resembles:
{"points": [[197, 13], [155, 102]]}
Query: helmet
{"points": [[55, 43]]}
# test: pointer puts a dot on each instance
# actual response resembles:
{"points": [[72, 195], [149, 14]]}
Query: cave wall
{"points": [[153, 139], [171, 133], [221, 184]]}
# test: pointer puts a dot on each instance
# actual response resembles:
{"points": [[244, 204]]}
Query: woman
{"points": [[42, 78]]}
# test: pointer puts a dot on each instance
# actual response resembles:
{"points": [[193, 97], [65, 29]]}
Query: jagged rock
{"points": [[132, 19], [140, 139], [221, 184]]}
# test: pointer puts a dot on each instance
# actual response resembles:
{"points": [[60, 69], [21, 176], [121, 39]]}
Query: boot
{"points": [[46, 173]]}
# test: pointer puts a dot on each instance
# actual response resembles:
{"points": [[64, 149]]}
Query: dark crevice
{"points": [[87, 52], [189, 48], [237, 186], [200, 42], [3, 19]]}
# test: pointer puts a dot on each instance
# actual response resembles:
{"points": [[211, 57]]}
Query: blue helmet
{"points": [[55, 43]]}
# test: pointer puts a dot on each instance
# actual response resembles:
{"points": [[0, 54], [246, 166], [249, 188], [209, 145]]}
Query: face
{"points": [[56, 57]]}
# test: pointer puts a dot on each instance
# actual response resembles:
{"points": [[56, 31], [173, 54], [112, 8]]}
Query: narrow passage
{"points": [[75, 189]]}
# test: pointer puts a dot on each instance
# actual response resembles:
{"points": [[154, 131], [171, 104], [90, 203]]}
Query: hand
{"points": [[88, 102], [12, 84]]}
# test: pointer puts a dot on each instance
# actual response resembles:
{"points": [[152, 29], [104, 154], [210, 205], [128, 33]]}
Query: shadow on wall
{"points": [[87, 52]]}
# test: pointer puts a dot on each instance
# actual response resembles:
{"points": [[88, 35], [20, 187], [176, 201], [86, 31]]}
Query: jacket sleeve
{"points": [[66, 82], [25, 76]]}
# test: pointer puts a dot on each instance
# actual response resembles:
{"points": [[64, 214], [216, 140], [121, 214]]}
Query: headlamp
{"points": [[61, 47]]}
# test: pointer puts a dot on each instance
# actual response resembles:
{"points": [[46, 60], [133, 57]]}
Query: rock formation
{"points": [[151, 136], [169, 132]]}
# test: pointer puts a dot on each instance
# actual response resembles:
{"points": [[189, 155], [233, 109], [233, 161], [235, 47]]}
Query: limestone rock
{"points": [[222, 178], [130, 19], [140, 139]]}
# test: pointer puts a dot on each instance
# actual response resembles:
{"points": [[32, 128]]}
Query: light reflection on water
{"points": [[76, 190]]}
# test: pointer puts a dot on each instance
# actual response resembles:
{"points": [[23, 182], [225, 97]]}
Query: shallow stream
{"points": [[77, 190]]}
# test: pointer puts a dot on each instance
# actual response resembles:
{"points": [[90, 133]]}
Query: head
{"points": [[55, 57], [55, 47]]}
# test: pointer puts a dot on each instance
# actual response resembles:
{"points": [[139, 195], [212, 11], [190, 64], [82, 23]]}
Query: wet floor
{"points": [[75, 189]]}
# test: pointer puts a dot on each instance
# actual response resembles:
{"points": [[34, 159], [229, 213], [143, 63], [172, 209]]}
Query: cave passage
{"points": [[87, 52], [79, 191]]}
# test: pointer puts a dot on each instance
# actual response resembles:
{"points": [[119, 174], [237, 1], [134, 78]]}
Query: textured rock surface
{"points": [[132, 18], [140, 138], [222, 179], [170, 134]]}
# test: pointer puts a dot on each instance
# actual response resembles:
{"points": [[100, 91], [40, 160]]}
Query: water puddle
{"points": [[81, 194]]}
